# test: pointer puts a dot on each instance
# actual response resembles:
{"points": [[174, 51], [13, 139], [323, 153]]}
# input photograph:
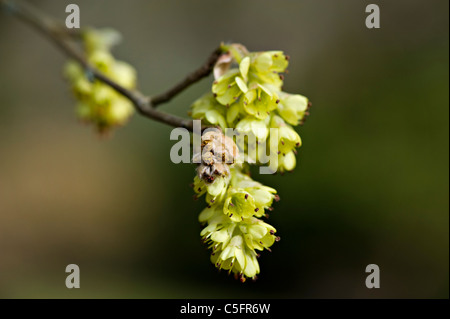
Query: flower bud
{"points": [[228, 87], [100, 39], [209, 110], [124, 74], [266, 67], [259, 101], [218, 153], [292, 107]]}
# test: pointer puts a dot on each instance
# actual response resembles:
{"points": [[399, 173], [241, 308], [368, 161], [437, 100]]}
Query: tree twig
{"points": [[143, 104], [204, 71]]}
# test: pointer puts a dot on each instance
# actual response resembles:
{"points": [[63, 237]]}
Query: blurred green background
{"points": [[371, 185]]}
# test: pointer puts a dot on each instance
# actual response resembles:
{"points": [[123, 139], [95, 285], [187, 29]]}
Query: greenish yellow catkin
{"points": [[99, 104], [247, 97]]}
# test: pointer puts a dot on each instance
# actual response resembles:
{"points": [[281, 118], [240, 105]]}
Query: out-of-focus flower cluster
{"points": [[98, 103], [246, 96]]}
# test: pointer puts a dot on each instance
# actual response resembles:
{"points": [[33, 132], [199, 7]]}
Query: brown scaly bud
{"points": [[218, 153]]}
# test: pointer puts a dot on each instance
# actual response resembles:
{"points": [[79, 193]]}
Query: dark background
{"points": [[371, 184]]}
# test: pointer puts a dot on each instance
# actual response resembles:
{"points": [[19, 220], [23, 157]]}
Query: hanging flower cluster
{"points": [[98, 103], [249, 99]]}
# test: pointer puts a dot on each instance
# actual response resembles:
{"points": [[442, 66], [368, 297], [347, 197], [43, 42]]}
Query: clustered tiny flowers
{"points": [[247, 96], [99, 104]]}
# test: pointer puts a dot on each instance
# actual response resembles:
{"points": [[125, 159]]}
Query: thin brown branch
{"points": [[143, 104], [204, 71]]}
